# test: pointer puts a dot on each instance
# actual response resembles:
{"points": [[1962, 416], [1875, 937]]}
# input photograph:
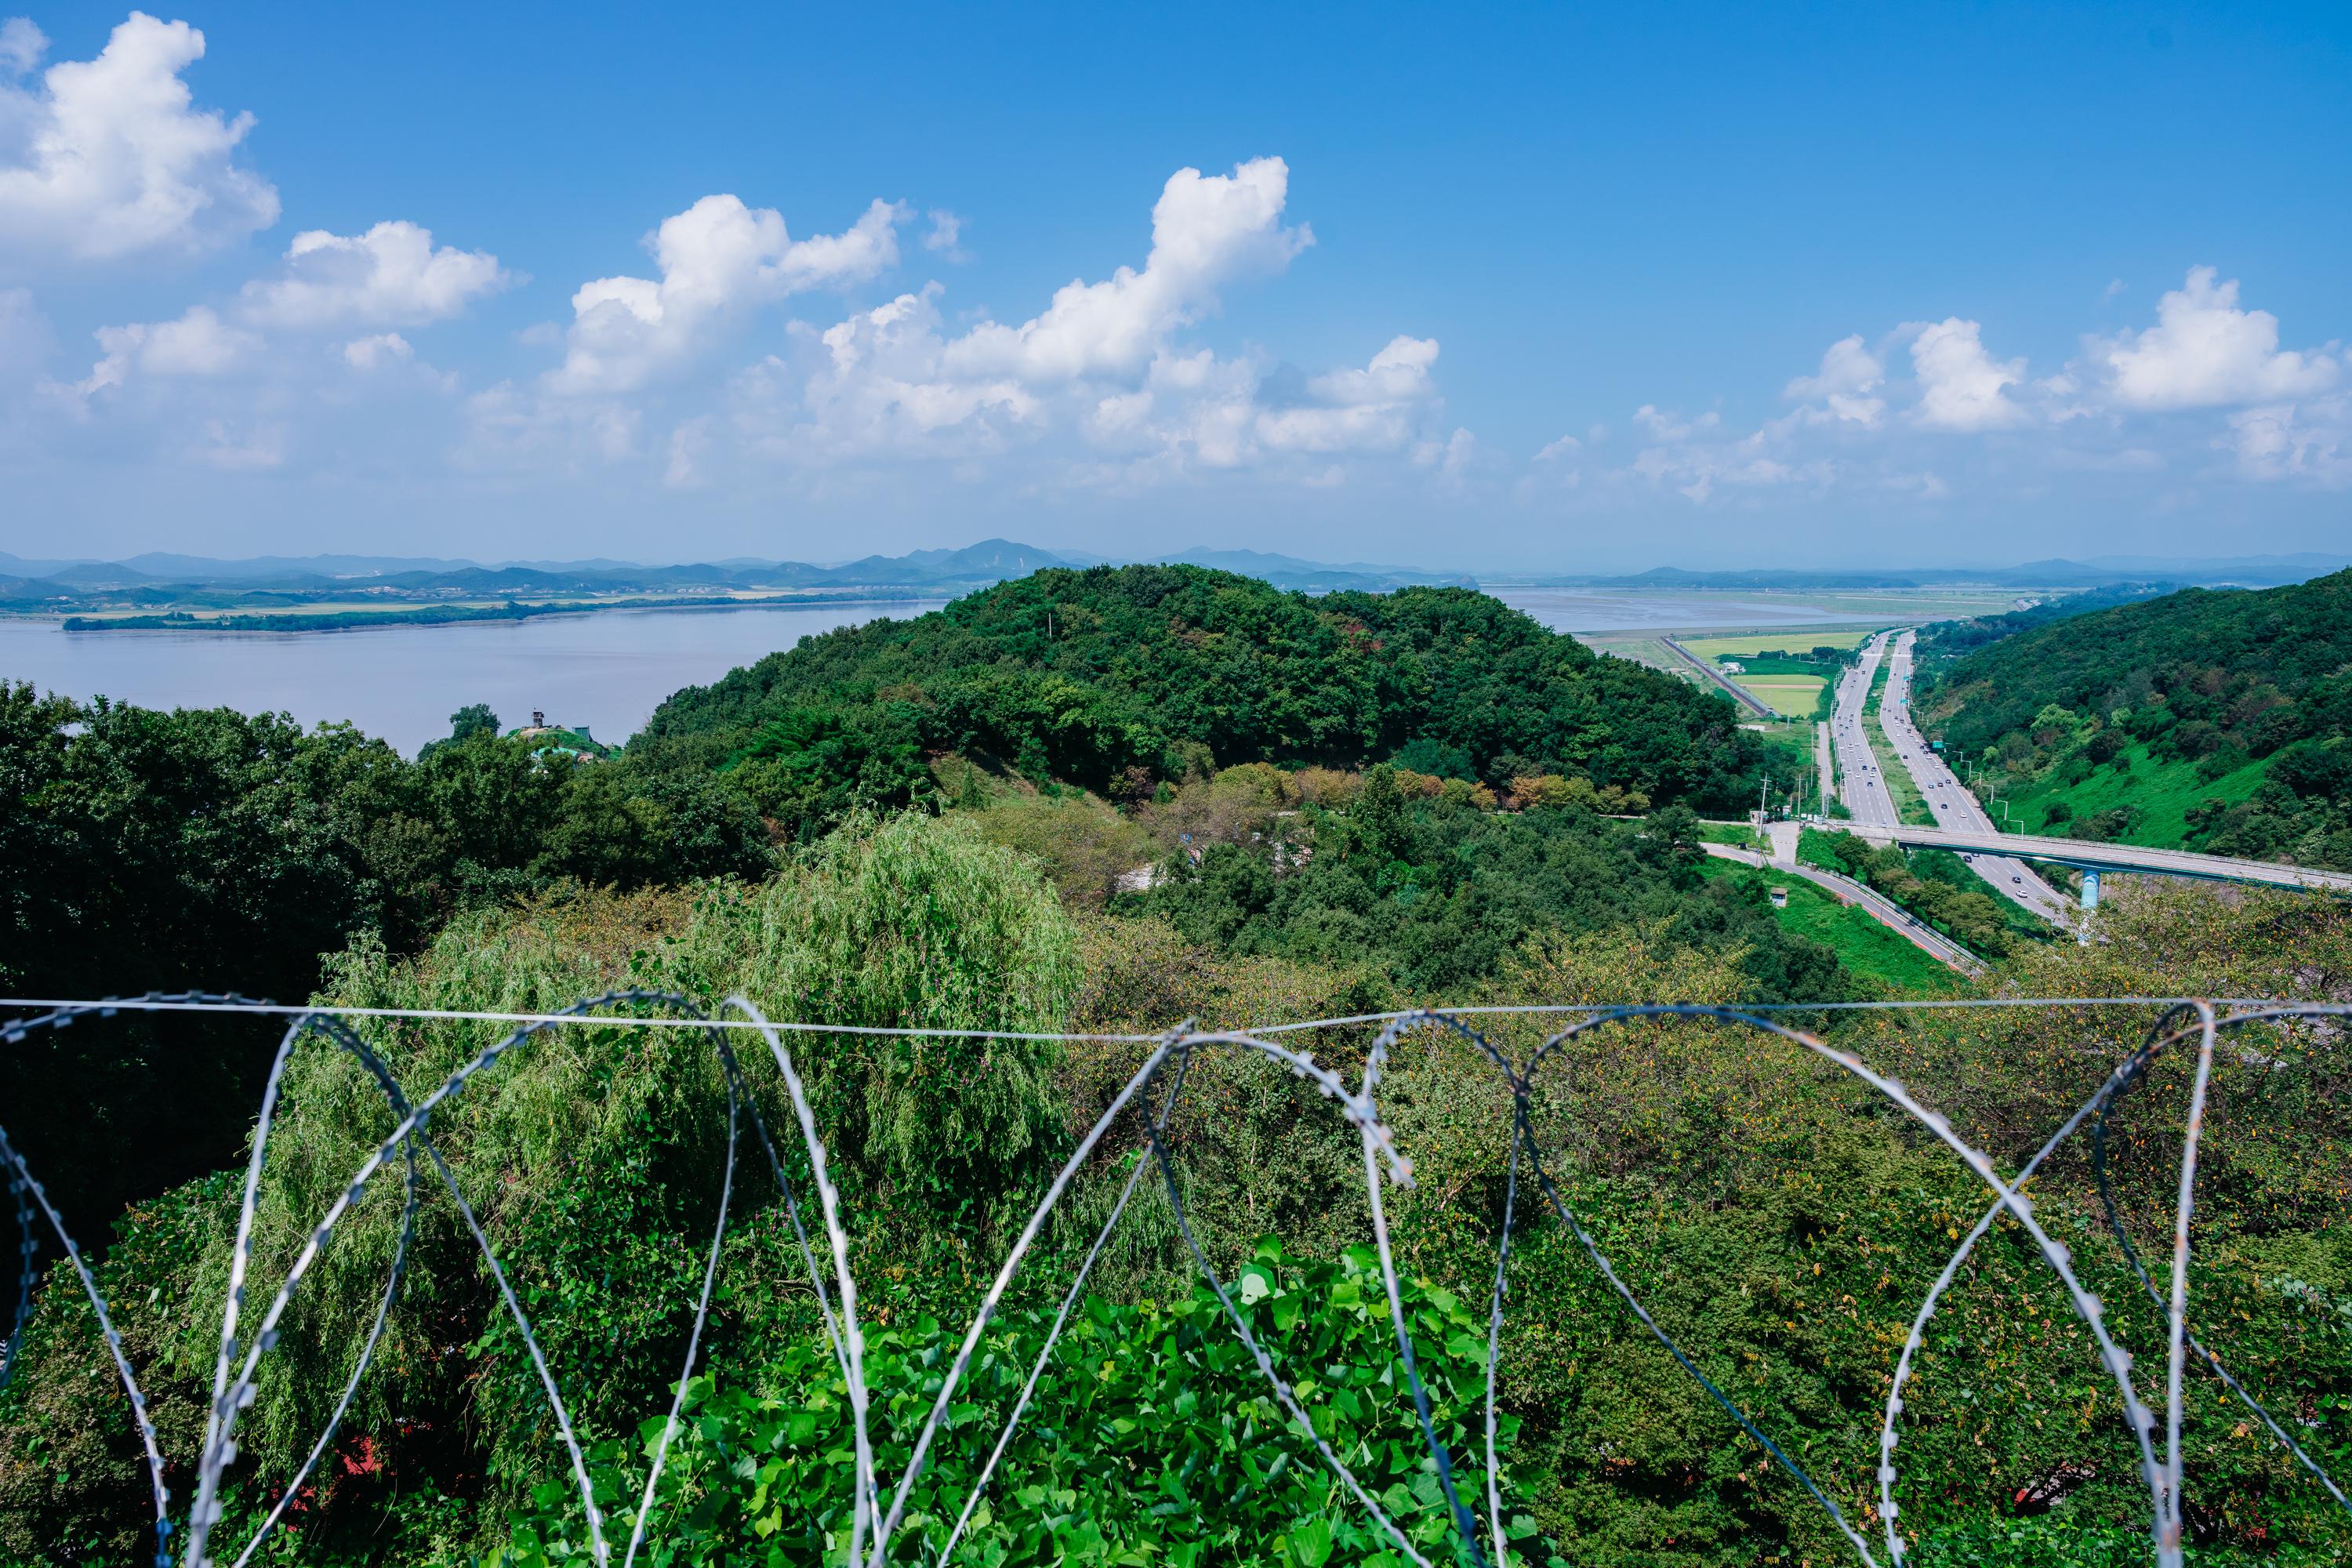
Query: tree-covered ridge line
{"points": [[1121, 679], [205, 847], [2211, 719], [1942, 641]]}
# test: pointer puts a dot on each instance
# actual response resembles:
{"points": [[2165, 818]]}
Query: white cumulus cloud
{"points": [[884, 386], [2309, 441], [390, 275], [1960, 383], [1850, 377], [198, 344], [22, 45], [1372, 409], [1397, 372], [1205, 230], [946, 229], [109, 158], [717, 259], [2205, 351], [380, 349]]}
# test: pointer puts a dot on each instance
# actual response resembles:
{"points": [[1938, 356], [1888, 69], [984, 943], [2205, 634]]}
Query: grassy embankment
{"points": [[1738, 834], [1814, 848], [1862, 944], [1910, 807], [2159, 794]]}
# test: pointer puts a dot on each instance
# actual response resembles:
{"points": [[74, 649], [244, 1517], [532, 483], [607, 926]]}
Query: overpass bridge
{"points": [[2094, 857]]}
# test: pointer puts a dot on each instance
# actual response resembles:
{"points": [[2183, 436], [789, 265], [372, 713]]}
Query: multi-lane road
{"points": [[1962, 825], [1953, 806], [1860, 784]]}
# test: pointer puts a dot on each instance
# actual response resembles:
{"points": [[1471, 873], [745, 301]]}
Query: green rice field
{"points": [[1797, 640], [1790, 696]]}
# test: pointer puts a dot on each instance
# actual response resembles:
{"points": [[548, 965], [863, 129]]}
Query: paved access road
{"points": [[1713, 674], [1954, 808], [1860, 784], [1887, 912]]}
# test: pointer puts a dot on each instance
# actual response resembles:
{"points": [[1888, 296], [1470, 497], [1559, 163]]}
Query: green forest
{"points": [[1098, 803], [2217, 720]]}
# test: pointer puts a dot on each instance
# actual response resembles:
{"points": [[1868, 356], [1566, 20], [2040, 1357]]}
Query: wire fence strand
{"points": [[875, 1522]]}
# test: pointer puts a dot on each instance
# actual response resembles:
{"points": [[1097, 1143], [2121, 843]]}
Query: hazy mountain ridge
{"points": [[159, 576], [973, 566]]}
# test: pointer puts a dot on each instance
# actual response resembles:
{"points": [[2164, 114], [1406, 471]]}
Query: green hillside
{"points": [[2211, 720], [1863, 944], [1121, 679]]}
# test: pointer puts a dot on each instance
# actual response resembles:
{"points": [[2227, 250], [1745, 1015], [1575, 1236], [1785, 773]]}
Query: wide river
{"points": [[605, 672]]}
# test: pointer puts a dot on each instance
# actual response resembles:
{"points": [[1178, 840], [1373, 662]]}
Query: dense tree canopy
{"points": [[209, 849], [1435, 897], [1118, 678]]}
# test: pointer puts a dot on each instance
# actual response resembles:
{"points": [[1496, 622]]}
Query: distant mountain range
{"points": [[157, 577], [974, 566]]}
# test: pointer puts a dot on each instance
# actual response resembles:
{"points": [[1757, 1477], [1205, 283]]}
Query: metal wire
{"points": [[237, 1364]]}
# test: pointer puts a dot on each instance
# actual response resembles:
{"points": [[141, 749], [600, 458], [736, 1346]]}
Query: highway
{"points": [[1954, 807], [1859, 786]]}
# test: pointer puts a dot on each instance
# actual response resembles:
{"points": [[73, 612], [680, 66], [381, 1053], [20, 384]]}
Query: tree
{"points": [[1377, 818], [475, 719], [1674, 839]]}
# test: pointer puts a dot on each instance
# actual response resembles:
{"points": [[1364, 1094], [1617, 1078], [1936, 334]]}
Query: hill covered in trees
{"points": [[2211, 718], [219, 851], [1097, 802], [1125, 678]]}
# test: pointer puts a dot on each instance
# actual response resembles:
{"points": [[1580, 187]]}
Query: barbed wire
{"points": [[238, 1361]]}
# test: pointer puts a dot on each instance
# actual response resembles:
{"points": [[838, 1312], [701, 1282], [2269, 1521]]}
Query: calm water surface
{"points": [[605, 672], [1575, 610]]}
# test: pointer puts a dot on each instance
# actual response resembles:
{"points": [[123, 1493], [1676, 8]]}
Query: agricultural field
{"points": [[1790, 696], [1788, 672], [1782, 639]]}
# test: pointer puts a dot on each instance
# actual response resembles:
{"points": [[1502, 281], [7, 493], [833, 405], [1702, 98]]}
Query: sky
{"points": [[1537, 288]]}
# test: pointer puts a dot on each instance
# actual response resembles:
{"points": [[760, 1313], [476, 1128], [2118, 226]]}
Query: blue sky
{"points": [[1557, 288]]}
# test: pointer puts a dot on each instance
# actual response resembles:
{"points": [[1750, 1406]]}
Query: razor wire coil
{"points": [[237, 1364]]}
